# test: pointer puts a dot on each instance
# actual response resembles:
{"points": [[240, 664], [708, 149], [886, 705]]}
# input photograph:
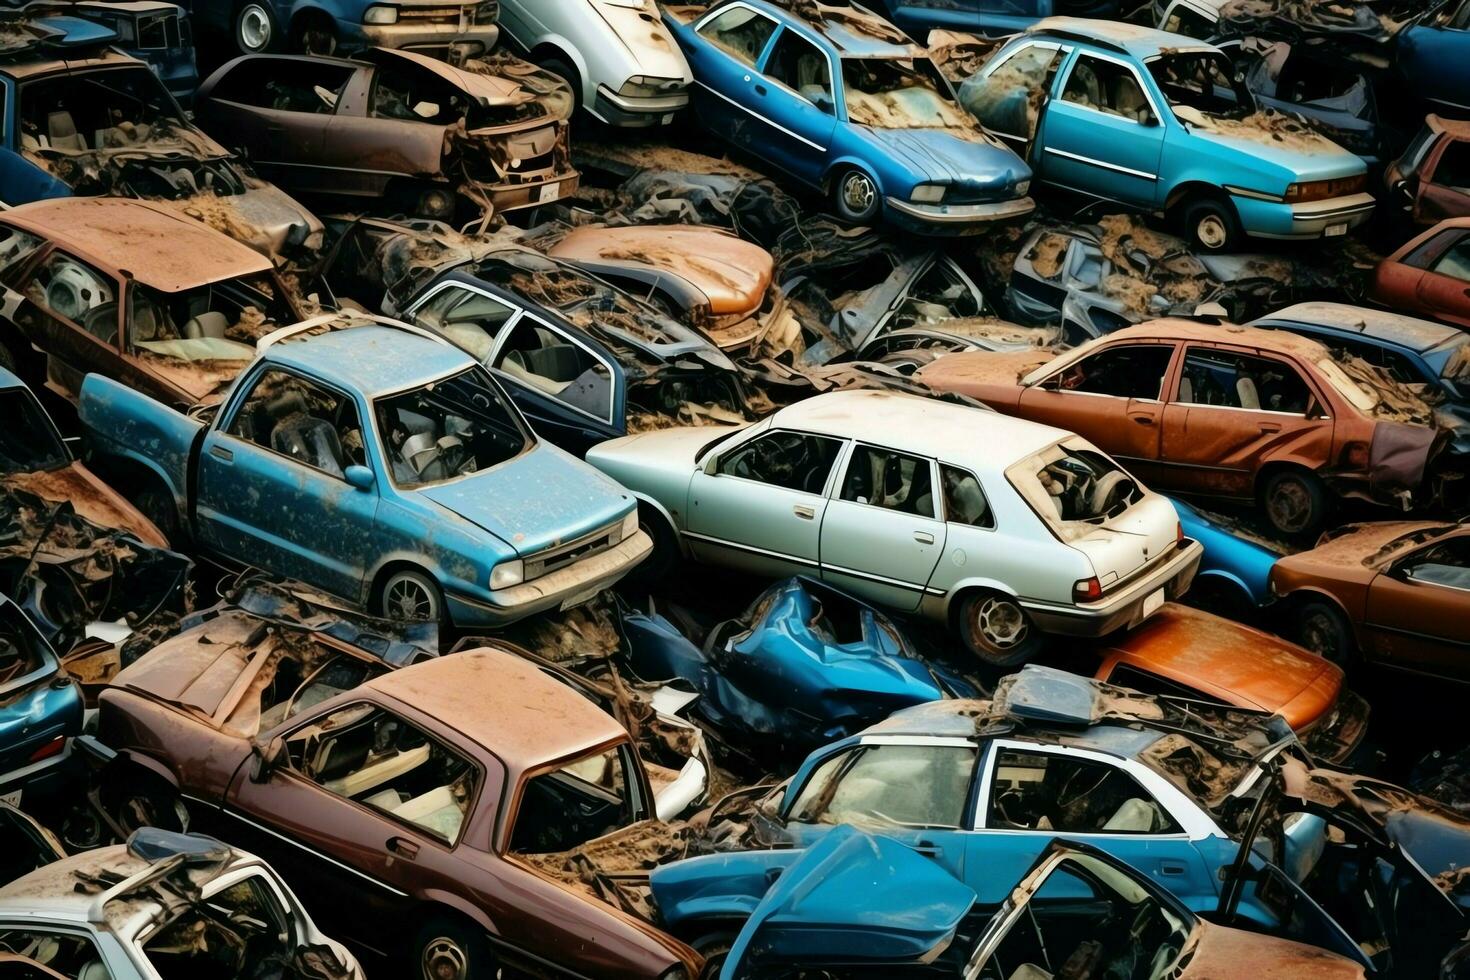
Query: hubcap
{"points": [[444, 960], [255, 27], [858, 193], [407, 600], [1290, 506], [1211, 230], [1001, 623]]}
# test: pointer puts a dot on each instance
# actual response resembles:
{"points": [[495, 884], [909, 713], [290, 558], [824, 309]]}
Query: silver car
{"points": [[617, 55], [1000, 528]]}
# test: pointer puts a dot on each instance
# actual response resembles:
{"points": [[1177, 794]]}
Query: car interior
{"points": [[221, 321], [1446, 563], [448, 428], [224, 935], [964, 500], [740, 31], [801, 67], [1106, 87], [784, 459], [1203, 81], [285, 84], [893, 785], [77, 292], [77, 112], [893, 481], [470, 319], [1086, 486], [1240, 381], [1050, 792], [414, 94], [577, 802], [67, 953], [305, 422], [29, 442], [542, 358]]}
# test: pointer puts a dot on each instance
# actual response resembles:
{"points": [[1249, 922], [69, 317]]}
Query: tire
{"points": [[855, 197], [158, 505], [451, 949], [715, 948], [137, 798], [254, 28], [1295, 502], [559, 66], [1320, 627], [1210, 224], [995, 628], [411, 596]]}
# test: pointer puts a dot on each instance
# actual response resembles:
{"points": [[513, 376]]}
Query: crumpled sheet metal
{"points": [[1369, 24]]}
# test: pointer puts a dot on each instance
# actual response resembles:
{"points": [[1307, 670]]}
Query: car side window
{"points": [[70, 954], [578, 802], [1107, 87], [413, 94], [202, 939], [372, 757], [891, 480], [1445, 564], [1399, 366], [802, 67], [1055, 793], [285, 85], [739, 31], [469, 318], [793, 460], [15, 247], [1122, 372], [964, 499], [1433, 248], [1231, 380], [308, 423], [1455, 262], [550, 362], [73, 290], [908, 785]]}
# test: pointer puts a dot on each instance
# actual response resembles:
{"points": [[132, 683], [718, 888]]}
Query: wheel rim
{"points": [[1211, 231], [1290, 506], [858, 193], [407, 599], [255, 27], [444, 960], [1000, 623]]}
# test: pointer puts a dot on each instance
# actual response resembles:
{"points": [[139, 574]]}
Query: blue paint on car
{"points": [[1237, 567], [153, 31], [40, 708]]}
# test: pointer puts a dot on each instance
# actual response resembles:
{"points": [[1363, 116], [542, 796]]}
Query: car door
{"points": [[759, 506], [882, 533], [1010, 96], [272, 488], [1231, 410], [1103, 134], [570, 387], [723, 49], [1030, 793], [1112, 397], [389, 121], [72, 312], [1418, 611], [1444, 182], [1444, 289], [795, 104]]}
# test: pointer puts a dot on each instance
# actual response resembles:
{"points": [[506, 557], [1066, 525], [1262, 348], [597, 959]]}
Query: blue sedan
{"points": [[850, 106]]}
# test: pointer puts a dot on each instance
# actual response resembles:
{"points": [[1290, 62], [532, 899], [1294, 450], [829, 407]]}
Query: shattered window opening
{"points": [[891, 480], [887, 93], [578, 802], [1008, 98], [285, 85], [1455, 262], [1135, 371], [791, 460], [547, 360], [28, 440], [449, 428], [740, 32], [1190, 23], [231, 934], [964, 498], [1202, 80], [68, 953], [302, 421], [75, 291], [1445, 564], [86, 111], [1064, 484], [1230, 380], [15, 247], [220, 321], [890, 785], [802, 67], [1050, 792], [469, 318]]}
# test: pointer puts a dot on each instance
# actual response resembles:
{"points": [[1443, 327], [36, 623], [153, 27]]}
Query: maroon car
{"points": [[416, 807], [1430, 275]]}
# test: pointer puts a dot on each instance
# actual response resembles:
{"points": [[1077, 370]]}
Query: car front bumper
{"points": [[1313, 219], [1125, 607], [635, 112], [954, 218], [563, 588]]}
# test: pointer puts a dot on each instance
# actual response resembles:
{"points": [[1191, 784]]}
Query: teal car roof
{"points": [[852, 30], [373, 360], [1140, 42], [955, 718]]}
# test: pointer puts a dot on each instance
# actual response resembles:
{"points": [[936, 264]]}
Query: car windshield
{"points": [[218, 322], [1203, 81], [888, 93], [1359, 396], [228, 935], [28, 440], [449, 428]]}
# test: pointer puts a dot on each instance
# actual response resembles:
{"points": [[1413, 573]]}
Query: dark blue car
{"points": [[153, 31], [850, 106]]}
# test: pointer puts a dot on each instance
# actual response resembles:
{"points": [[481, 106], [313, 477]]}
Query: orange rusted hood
{"points": [[978, 373], [1353, 548], [90, 498], [1233, 954]]}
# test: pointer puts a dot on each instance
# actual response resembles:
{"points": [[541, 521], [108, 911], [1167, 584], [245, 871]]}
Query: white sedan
{"points": [[1001, 528]]}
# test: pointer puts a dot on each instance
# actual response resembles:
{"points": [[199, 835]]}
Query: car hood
{"points": [[1307, 156], [647, 40], [978, 372], [90, 498], [538, 500], [264, 217], [1235, 954], [940, 155], [1356, 550]]}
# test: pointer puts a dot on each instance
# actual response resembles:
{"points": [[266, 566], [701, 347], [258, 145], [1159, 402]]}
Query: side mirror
{"points": [[360, 477], [267, 759]]}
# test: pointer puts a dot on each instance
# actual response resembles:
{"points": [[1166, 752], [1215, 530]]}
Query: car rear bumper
{"points": [[564, 587], [932, 217], [632, 113], [1124, 607]]}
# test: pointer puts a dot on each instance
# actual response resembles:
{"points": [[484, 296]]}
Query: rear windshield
{"points": [[1074, 487]]}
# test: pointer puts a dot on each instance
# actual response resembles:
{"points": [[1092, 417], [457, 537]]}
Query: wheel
{"points": [[136, 798], [855, 197], [411, 596], [996, 629], [451, 949], [1295, 502], [1210, 224], [255, 28], [1320, 627], [158, 505], [715, 948]]}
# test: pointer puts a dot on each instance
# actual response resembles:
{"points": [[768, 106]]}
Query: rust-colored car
{"points": [[1431, 179], [1219, 410], [1185, 652], [133, 291], [1430, 274], [418, 808], [1395, 594], [431, 139]]}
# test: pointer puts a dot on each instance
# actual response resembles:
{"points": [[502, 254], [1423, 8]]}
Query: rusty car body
{"points": [[434, 140], [1429, 274], [1431, 179], [431, 794], [1394, 594], [133, 291], [1223, 411]]}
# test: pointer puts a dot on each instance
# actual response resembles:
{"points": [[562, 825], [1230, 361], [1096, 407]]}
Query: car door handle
{"points": [[804, 512], [923, 537], [1270, 426], [1169, 868], [926, 847], [760, 89], [1143, 419], [220, 452], [403, 847]]}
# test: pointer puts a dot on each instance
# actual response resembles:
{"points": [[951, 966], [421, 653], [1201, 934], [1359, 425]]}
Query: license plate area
{"points": [[1333, 231], [1152, 603]]}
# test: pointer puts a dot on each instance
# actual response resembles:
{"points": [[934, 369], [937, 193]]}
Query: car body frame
{"points": [[1429, 274], [1431, 179]]}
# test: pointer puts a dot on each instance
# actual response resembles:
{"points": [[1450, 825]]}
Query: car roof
{"points": [[852, 29], [373, 359], [956, 718], [1408, 331], [157, 247], [105, 58], [1140, 42], [505, 704], [928, 426]]}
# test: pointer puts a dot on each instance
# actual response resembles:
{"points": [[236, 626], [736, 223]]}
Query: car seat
{"points": [[1245, 392], [1135, 816], [1128, 101], [1082, 87], [344, 753], [210, 324], [93, 970], [310, 440], [61, 132], [367, 777]]}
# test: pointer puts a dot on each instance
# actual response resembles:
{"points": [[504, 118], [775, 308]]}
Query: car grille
{"points": [[545, 562], [429, 13]]}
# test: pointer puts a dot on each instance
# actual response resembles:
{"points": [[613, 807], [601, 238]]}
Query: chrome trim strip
{"points": [[710, 539], [1254, 195], [1103, 163], [796, 136], [840, 570], [366, 877]]}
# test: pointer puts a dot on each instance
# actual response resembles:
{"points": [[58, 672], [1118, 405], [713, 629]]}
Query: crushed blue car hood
{"points": [[535, 501], [942, 156]]}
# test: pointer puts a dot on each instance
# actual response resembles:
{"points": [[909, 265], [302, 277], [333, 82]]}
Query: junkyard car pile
{"points": [[734, 489]]}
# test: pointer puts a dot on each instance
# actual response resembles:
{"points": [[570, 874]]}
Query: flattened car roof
{"points": [[372, 359], [1411, 331], [106, 58], [1141, 42], [161, 249]]}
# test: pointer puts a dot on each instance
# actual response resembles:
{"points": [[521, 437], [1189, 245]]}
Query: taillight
{"points": [[1355, 454], [1087, 590], [51, 748], [1178, 532]]}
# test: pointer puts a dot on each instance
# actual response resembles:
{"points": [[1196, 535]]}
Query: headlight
{"points": [[1023, 186], [507, 574], [630, 525], [927, 194], [1322, 190], [643, 87], [379, 14]]}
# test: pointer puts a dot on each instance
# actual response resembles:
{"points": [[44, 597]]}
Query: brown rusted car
{"points": [[133, 291], [1185, 652], [1222, 411], [1430, 274], [418, 808], [1395, 594], [1431, 180], [430, 139]]}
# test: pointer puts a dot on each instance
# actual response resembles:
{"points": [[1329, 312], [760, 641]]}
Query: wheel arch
{"points": [[663, 514], [556, 46], [392, 565], [1184, 190], [954, 600]]}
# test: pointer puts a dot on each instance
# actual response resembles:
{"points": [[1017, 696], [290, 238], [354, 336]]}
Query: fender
{"points": [[307, 6], [664, 513], [419, 560], [940, 606], [469, 910], [852, 162], [572, 56]]}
